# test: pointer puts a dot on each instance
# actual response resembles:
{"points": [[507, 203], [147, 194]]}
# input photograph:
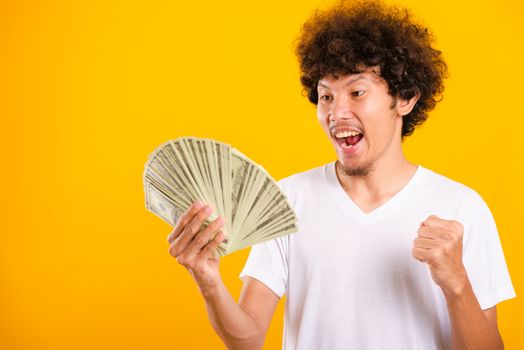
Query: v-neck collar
{"points": [[351, 208]]}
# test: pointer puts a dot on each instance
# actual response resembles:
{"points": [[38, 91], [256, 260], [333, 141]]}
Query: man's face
{"points": [[359, 117]]}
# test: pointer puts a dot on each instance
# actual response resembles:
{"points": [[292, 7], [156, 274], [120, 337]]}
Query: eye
{"points": [[357, 93], [325, 98]]}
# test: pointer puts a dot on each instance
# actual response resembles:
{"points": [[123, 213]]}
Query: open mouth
{"points": [[348, 139]]}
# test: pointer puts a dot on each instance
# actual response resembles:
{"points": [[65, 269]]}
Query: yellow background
{"points": [[89, 88]]}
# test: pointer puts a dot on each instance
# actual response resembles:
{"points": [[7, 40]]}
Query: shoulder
{"points": [[314, 176], [450, 191]]}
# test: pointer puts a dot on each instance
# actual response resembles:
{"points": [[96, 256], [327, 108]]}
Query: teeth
{"points": [[346, 134]]}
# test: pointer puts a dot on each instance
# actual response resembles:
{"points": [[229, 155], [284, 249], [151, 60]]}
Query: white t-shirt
{"points": [[350, 279]]}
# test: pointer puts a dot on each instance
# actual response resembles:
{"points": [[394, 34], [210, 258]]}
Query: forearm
{"points": [[235, 327], [470, 328]]}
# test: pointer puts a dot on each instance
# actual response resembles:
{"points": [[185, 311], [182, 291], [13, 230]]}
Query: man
{"points": [[389, 255]]}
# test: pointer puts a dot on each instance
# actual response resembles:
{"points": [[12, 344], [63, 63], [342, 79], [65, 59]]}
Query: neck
{"points": [[388, 176]]}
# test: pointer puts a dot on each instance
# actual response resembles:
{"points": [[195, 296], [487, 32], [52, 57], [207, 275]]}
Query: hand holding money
{"points": [[189, 170], [195, 249]]}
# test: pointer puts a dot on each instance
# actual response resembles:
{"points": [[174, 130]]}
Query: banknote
{"points": [[188, 169]]}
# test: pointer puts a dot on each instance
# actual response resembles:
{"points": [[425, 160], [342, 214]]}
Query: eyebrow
{"points": [[348, 83]]}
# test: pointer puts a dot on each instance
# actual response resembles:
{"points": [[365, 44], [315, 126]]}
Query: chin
{"points": [[359, 170]]}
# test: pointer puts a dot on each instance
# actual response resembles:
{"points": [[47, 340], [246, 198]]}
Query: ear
{"points": [[405, 106]]}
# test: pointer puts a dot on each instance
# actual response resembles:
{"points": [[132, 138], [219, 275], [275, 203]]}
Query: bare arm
{"points": [[439, 245], [471, 327], [240, 326]]}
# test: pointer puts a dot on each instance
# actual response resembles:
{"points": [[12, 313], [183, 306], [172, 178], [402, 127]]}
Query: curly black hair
{"points": [[354, 34]]}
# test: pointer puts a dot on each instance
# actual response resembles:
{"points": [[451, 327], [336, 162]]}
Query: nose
{"points": [[340, 110]]}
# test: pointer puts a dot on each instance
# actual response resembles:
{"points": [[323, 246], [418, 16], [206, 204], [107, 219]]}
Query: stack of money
{"points": [[189, 169]]}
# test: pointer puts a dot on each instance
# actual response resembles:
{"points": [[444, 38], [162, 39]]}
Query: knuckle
{"points": [[171, 237], [183, 234], [215, 225], [175, 252], [454, 234], [432, 217], [172, 250], [197, 222], [436, 254], [200, 239], [219, 238], [184, 217], [179, 227], [202, 215], [191, 227]]}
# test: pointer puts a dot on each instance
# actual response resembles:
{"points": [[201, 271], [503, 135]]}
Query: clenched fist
{"points": [[439, 245]]}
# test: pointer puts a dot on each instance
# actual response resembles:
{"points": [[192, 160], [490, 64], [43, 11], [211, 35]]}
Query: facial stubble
{"points": [[359, 171]]}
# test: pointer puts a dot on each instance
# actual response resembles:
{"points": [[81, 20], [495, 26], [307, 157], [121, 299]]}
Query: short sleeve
{"points": [[268, 263], [484, 260]]}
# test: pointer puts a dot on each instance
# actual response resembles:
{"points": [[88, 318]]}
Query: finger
{"points": [[425, 243], [426, 232], [184, 220], [190, 230], [202, 238], [188, 259], [431, 232], [436, 221], [420, 254], [208, 252]]}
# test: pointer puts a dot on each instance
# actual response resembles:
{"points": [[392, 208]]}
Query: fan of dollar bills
{"points": [[189, 169]]}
